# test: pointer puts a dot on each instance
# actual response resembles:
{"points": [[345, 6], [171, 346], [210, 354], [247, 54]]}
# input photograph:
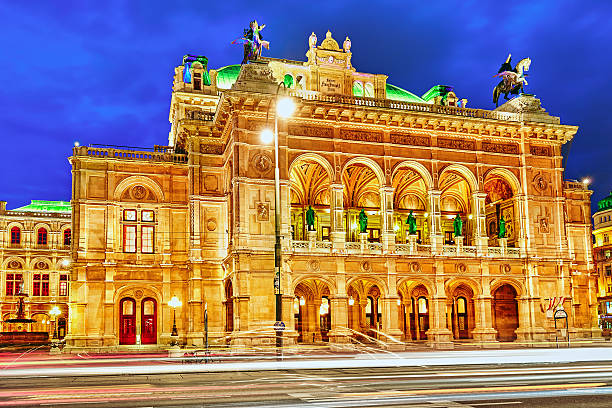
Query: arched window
{"points": [[357, 88], [42, 236], [15, 236], [369, 90], [67, 236]]}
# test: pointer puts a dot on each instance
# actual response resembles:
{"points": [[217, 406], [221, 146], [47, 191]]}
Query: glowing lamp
{"points": [[351, 301], [65, 262], [55, 312], [76, 143], [302, 301], [426, 215], [586, 181], [399, 302], [174, 302], [267, 136], [470, 217], [285, 107]]}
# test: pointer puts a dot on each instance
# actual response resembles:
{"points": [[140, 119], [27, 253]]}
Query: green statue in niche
{"points": [[363, 221], [411, 222], [310, 218], [458, 226], [502, 228]]}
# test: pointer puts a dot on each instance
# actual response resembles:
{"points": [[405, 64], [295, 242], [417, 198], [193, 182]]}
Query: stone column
{"points": [[316, 319], [337, 233], [521, 222], [523, 332], [435, 233], [481, 239], [390, 323], [386, 210], [339, 308], [483, 331], [439, 336]]}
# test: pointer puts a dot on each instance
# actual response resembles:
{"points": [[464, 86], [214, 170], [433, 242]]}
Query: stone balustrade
{"points": [[126, 154]]}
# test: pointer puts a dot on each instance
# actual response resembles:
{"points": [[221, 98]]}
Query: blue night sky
{"points": [[101, 72]]}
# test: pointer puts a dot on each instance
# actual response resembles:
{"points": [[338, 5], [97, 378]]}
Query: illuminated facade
{"points": [[195, 219], [35, 250], [602, 252]]}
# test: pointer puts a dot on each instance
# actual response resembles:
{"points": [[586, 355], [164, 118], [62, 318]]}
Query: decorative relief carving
{"points": [[262, 162], [540, 183], [14, 265], [263, 211], [138, 294], [211, 182], [540, 150], [41, 265], [360, 135], [414, 140], [365, 266], [415, 267], [460, 144], [460, 268], [507, 148], [211, 224], [314, 265], [138, 192], [544, 225], [211, 148], [505, 268], [311, 131], [255, 125]]}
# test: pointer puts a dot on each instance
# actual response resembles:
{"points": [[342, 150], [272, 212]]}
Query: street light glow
{"points": [[267, 136], [586, 181], [174, 302], [285, 107], [55, 311]]}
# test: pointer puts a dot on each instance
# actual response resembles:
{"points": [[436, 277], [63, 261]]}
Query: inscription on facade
{"points": [[330, 85], [414, 140], [360, 135], [460, 144], [507, 148], [311, 131], [540, 150]]}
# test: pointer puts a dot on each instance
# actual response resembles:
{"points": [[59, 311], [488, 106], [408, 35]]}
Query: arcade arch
{"points": [[457, 184], [312, 310], [362, 182], [410, 193], [501, 187]]}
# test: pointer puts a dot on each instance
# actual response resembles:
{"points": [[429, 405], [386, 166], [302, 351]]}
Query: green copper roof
{"points": [[605, 204], [47, 206], [226, 76], [437, 90], [395, 93]]}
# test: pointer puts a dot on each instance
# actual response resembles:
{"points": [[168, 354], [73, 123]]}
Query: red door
{"points": [[149, 321], [127, 321]]}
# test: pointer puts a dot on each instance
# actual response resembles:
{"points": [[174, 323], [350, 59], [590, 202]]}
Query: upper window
{"points": [[40, 285], [197, 81], [129, 238], [63, 285], [608, 270], [148, 215], [369, 90], [67, 236], [129, 215], [12, 283], [42, 236], [15, 236]]}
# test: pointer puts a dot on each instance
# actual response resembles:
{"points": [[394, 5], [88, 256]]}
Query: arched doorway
{"points": [[462, 312], [500, 201], [455, 199], [361, 192], [410, 194], [505, 313], [312, 310], [310, 183], [127, 321], [414, 311], [148, 321], [229, 307], [61, 328]]}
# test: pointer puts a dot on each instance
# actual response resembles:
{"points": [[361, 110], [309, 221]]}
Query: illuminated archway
{"points": [[456, 198], [501, 188], [410, 194], [312, 310], [362, 192]]}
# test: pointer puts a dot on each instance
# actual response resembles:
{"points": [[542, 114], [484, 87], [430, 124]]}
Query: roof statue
{"points": [[188, 61], [513, 79], [252, 41]]}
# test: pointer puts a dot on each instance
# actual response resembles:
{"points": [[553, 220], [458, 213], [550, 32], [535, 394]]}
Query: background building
{"points": [[602, 252], [195, 219], [35, 249]]}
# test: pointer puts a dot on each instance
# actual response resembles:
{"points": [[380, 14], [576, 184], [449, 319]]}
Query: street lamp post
{"points": [[284, 109], [55, 312], [174, 303]]}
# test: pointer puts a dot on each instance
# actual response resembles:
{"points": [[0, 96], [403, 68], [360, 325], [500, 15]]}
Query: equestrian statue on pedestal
{"points": [[513, 79]]}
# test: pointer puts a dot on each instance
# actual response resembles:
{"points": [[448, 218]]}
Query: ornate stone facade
{"points": [[35, 250], [203, 227]]}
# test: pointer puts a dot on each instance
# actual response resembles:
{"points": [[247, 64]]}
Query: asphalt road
{"points": [[541, 385]]}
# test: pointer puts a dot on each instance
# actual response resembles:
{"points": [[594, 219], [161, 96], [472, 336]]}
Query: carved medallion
{"points": [[366, 266], [544, 225], [211, 224], [461, 268], [41, 265], [139, 192], [505, 268], [138, 294], [14, 265], [314, 265], [262, 162], [415, 267], [540, 183]]}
